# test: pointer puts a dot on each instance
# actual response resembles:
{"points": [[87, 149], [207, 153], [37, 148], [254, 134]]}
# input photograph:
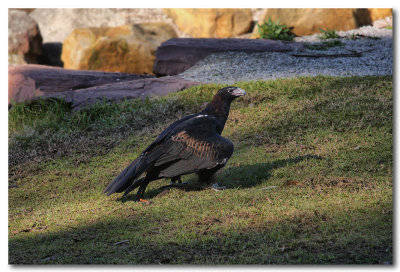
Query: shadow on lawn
{"points": [[145, 238], [239, 177], [252, 175]]}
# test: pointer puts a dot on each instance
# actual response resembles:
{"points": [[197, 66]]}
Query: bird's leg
{"points": [[209, 176], [140, 192], [173, 184]]}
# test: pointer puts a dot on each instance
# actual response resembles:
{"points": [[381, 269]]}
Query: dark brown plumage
{"points": [[192, 144]]}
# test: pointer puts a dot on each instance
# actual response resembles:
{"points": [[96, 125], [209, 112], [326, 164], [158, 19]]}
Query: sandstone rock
{"points": [[176, 55], [309, 21], [28, 81], [57, 23], [212, 23], [24, 39], [128, 49], [379, 13]]}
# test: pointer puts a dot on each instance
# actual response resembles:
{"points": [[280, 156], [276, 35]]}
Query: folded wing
{"points": [[194, 146]]}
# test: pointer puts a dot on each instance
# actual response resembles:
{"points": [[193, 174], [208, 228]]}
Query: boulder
{"points": [[57, 23], [308, 21], [211, 22], [28, 81], [177, 55], [24, 39], [127, 49], [82, 88], [380, 13]]}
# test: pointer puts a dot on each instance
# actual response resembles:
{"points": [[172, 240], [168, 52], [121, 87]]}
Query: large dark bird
{"points": [[192, 144]]}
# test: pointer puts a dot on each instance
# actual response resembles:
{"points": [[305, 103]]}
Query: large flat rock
{"points": [[81, 88], [28, 81], [177, 55], [139, 88]]}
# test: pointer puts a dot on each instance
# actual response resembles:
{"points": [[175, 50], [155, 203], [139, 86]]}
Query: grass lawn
{"points": [[310, 180]]}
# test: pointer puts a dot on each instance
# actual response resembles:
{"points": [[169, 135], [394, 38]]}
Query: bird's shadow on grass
{"points": [[252, 175], [239, 177]]}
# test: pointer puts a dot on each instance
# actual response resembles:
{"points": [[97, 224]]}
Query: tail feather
{"points": [[126, 177]]}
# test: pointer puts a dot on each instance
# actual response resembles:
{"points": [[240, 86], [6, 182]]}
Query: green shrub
{"points": [[275, 31], [328, 34]]}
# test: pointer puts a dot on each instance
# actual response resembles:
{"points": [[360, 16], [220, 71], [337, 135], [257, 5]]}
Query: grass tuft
{"points": [[324, 45]]}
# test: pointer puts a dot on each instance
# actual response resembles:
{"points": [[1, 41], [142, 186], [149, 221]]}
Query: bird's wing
{"points": [[148, 157], [192, 146], [166, 132]]}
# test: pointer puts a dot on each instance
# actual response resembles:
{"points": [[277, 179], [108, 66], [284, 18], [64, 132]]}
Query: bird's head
{"points": [[220, 104], [230, 92]]}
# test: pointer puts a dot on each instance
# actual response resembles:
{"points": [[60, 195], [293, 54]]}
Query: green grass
{"points": [[310, 180], [324, 45]]}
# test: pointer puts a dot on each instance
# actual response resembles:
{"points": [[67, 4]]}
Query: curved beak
{"points": [[238, 92]]}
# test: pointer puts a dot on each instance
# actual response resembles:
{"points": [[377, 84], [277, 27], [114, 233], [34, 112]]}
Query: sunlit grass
{"points": [[310, 180]]}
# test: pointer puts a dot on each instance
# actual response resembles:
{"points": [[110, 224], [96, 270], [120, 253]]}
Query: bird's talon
{"points": [[144, 201]]}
